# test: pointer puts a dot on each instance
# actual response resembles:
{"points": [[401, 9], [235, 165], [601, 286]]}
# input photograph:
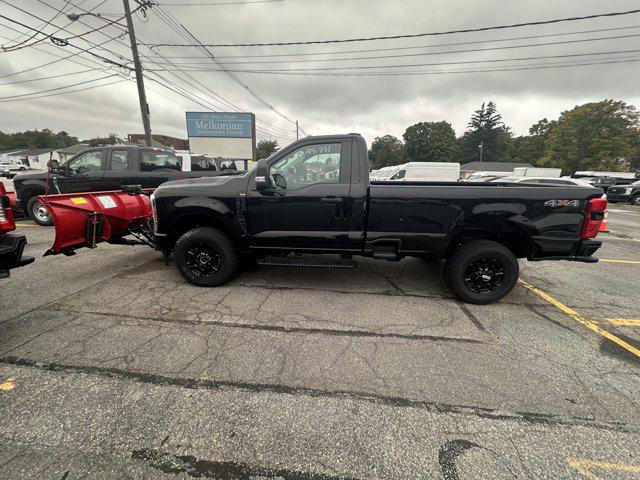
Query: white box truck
{"points": [[537, 172], [427, 172]]}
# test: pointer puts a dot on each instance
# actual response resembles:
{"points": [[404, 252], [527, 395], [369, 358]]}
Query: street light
{"points": [[74, 17]]}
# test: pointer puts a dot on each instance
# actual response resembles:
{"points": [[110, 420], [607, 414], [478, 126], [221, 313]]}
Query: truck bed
{"points": [[419, 214]]}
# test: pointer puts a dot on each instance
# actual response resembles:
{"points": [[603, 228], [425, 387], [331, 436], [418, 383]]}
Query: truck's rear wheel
{"points": [[482, 272], [206, 257], [38, 212]]}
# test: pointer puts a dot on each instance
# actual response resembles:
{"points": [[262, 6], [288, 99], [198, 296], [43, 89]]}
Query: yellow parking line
{"points": [[580, 319], [634, 262], [584, 467], [8, 384], [624, 322], [26, 225]]}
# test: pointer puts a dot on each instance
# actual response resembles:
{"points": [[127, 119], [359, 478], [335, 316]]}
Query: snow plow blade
{"points": [[86, 219]]}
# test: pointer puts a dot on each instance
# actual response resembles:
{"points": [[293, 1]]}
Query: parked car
{"points": [[12, 166], [567, 182], [100, 169], [11, 245], [625, 193]]}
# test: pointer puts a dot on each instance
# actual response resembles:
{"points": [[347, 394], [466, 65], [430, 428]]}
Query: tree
{"points": [[530, 148], [112, 139], [36, 139], [430, 142], [594, 136], [386, 151], [487, 129], [266, 148]]}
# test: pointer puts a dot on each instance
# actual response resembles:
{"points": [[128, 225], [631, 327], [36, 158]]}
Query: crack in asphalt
{"points": [[283, 329], [394, 401]]}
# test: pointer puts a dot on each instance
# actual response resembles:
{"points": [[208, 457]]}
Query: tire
{"points": [[206, 257], [635, 200], [38, 213], [481, 272]]}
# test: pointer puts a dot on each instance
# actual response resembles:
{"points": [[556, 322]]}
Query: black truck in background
{"points": [[625, 193], [104, 168], [314, 196]]}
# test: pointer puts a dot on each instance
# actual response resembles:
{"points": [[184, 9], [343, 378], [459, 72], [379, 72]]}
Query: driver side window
{"points": [[308, 165], [85, 162]]}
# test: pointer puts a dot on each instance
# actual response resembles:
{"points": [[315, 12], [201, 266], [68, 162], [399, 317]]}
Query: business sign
{"points": [[221, 125], [222, 134]]}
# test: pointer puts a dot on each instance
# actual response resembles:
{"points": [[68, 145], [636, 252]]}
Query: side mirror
{"points": [[54, 166], [262, 174]]}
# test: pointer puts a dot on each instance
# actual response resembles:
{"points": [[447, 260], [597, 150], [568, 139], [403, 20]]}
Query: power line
{"points": [[375, 57], [58, 12], [184, 33], [507, 68], [58, 88], [69, 91], [389, 49], [50, 77], [203, 4], [55, 40], [463, 62], [414, 35], [69, 57]]}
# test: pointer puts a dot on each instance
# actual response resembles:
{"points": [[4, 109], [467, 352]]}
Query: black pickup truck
{"points": [[625, 193], [99, 169], [314, 196]]}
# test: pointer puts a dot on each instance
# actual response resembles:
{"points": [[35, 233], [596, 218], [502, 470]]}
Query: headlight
{"points": [[628, 191]]}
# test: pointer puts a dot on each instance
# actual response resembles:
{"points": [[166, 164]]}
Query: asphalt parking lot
{"points": [[112, 367]]}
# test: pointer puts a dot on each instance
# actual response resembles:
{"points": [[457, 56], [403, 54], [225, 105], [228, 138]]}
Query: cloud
{"points": [[373, 106]]}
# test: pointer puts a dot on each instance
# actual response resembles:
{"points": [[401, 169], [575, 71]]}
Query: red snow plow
{"points": [[86, 219]]}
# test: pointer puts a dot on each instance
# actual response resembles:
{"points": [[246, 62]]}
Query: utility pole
{"points": [[297, 134], [144, 106], [481, 148]]}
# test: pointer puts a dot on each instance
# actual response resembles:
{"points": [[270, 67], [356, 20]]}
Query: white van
{"points": [[427, 172]]}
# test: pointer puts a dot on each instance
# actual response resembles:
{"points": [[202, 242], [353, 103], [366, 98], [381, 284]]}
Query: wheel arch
{"points": [[510, 235], [190, 220]]}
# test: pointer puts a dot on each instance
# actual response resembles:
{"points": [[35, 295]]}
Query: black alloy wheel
{"points": [[202, 259], [206, 256], [481, 271], [484, 275]]}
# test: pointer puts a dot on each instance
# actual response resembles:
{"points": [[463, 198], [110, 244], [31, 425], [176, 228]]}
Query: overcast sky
{"points": [[373, 106]]}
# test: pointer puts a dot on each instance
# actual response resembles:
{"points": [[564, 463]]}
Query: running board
{"points": [[306, 262]]}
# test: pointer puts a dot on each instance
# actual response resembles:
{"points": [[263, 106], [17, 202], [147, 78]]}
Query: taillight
{"points": [[6, 215], [593, 217]]}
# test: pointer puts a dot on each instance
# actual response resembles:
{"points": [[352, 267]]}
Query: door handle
{"points": [[331, 199]]}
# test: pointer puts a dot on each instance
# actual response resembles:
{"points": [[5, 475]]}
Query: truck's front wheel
{"points": [[206, 257], [482, 271], [38, 212]]}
